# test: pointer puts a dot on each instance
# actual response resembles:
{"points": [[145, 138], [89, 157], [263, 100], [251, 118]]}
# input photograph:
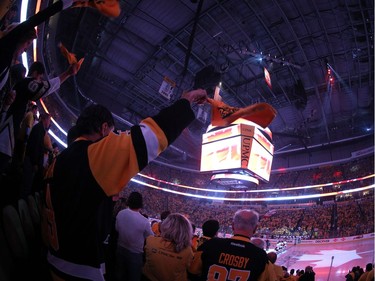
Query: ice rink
{"points": [[342, 255]]}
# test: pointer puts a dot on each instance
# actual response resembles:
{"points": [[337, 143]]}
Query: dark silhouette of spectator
{"points": [[292, 276], [209, 231], [164, 215], [72, 135], [34, 156], [308, 275], [17, 72]]}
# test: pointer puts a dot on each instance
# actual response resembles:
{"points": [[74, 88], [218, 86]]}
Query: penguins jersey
{"points": [[28, 89], [84, 175], [233, 259], [32, 89]]}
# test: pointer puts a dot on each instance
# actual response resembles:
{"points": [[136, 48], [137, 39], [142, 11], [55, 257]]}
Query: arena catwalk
{"points": [[343, 255]]}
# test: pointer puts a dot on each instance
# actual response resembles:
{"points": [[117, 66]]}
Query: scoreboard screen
{"points": [[239, 146]]}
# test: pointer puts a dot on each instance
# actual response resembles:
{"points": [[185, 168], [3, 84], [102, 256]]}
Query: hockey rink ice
{"points": [[342, 255]]}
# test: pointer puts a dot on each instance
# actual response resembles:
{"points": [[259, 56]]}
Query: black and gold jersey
{"points": [[232, 259], [83, 178]]}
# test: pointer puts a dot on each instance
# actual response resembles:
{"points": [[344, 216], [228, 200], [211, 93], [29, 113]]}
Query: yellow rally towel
{"points": [[223, 114], [109, 8], [70, 56]]}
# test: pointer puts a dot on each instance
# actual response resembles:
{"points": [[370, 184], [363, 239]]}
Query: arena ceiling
{"points": [[127, 58]]}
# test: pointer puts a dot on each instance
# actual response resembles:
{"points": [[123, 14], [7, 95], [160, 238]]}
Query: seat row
{"points": [[22, 254]]}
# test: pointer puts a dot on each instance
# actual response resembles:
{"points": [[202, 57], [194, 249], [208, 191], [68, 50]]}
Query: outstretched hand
{"points": [[197, 96]]}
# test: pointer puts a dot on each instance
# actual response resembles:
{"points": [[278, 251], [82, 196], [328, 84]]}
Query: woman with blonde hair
{"points": [[169, 256]]}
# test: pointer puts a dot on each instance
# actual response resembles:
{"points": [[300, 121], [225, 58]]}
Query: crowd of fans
{"points": [[356, 168], [300, 221], [307, 222], [321, 218]]}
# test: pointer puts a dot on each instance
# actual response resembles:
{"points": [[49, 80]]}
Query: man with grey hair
{"points": [[234, 258]]}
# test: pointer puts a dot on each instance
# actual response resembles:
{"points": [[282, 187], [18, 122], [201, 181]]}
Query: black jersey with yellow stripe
{"points": [[86, 174], [232, 259], [75, 197]]}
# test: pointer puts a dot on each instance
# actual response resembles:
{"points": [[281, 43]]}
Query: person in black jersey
{"points": [[97, 165], [34, 87], [234, 258]]}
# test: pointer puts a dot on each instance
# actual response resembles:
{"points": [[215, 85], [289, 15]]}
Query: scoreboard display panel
{"points": [[242, 146]]}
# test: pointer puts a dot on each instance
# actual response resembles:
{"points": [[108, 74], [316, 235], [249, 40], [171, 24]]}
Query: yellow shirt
{"points": [[163, 263], [279, 272]]}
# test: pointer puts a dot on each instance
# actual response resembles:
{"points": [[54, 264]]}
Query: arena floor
{"points": [[345, 256]]}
